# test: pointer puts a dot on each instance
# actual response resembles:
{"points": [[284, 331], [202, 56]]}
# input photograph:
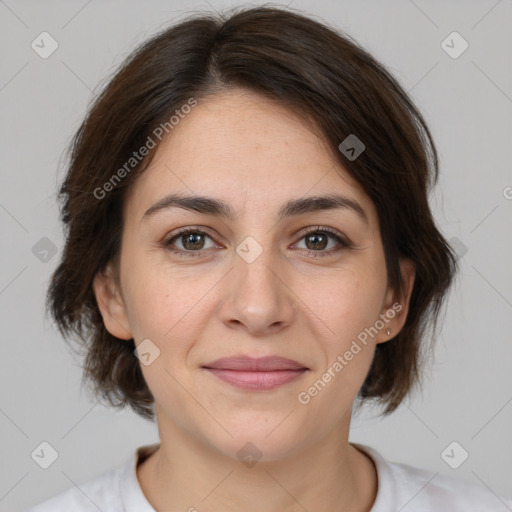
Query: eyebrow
{"points": [[216, 207]]}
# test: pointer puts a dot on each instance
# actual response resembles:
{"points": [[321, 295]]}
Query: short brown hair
{"points": [[314, 70]]}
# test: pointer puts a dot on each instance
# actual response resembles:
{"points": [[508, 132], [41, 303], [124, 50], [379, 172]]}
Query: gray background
{"points": [[466, 101]]}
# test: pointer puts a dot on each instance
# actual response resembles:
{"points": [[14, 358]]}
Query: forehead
{"points": [[247, 150]]}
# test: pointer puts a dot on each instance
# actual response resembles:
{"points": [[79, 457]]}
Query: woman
{"points": [[250, 254]]}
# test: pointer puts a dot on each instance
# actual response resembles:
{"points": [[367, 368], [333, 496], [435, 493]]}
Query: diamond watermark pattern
{"points": [[44, 250], [458, 246], [44, 45], [44, 455], [249, 455], [454, 45], [146, 351], [351, 147], [454, 455], [249, 249]]}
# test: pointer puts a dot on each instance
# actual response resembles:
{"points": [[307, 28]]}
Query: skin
{"points": [[255, 155]]}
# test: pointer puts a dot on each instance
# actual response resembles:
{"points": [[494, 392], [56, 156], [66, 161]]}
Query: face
{"points": [[302, 286]]}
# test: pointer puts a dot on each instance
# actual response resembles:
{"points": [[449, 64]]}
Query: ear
{"points": [[111, 304], [396, 304]]}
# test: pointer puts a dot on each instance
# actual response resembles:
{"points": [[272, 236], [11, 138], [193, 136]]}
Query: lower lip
{"points": [[257, 381]]}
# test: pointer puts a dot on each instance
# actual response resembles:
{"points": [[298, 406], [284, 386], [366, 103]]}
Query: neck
{"points": [[185, 474]]}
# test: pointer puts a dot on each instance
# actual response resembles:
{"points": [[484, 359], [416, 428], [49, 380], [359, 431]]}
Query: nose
{"points": [[257, 297]]}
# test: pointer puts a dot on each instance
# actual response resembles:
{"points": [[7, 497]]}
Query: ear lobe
{"points": [[111, 304], [396, 304]]}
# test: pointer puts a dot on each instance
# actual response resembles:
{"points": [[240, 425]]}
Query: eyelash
{"points": [[315, 254]]}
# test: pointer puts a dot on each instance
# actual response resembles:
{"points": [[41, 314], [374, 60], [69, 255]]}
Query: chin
{"points": [[255, 442], [251, 450]]}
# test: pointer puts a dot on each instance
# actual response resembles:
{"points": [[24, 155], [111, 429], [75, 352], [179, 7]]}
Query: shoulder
{"points": [[428, 491], [401, 486], [99, 493]]}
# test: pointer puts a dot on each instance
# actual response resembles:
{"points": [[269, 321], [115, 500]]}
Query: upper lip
{"points": [[255, 364]]}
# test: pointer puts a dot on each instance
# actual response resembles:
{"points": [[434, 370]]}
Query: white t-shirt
{"points": [[400, 487]]}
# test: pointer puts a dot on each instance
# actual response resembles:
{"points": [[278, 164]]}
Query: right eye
{"points": [[192, 242]]}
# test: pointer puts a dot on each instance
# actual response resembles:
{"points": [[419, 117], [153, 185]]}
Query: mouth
{"points": [[256, 374]]}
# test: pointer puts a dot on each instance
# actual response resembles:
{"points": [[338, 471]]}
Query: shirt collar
{"points": [[132, 497], [386, 488]]}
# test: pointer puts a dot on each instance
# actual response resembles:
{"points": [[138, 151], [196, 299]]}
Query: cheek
{"points": [[171, 311], [344, 317], [160, 297], [348, 302]]}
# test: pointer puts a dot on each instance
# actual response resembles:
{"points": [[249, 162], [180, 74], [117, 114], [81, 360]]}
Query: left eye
{"points": [[319, 240]]}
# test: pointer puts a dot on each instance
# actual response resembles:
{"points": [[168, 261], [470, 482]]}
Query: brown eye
{"points": [[316, 241], [191, 240]]}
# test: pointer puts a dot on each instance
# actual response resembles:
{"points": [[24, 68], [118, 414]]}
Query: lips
{"points": [[256, 374], [255, 364]]}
